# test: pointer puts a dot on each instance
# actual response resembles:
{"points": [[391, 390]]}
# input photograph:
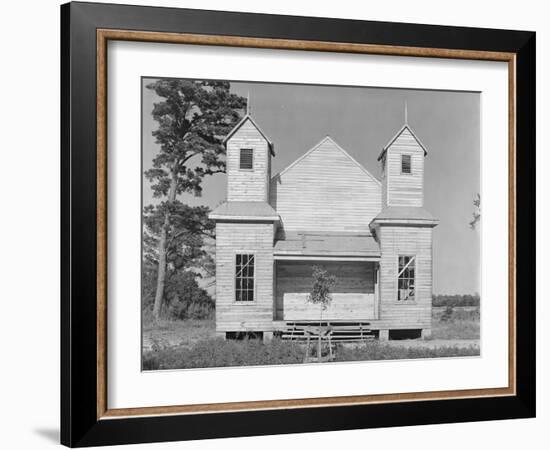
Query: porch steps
{"points": [[334, 332]]}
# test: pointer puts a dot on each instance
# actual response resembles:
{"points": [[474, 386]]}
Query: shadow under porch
{"points": [[349, 315]]}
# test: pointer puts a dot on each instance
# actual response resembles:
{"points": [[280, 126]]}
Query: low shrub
{"points": [[466, 314], [372, 351], [184, 299], [447, 314], [182, 310], [147, 315], [217, 352], [150, 361], [455, 300]]}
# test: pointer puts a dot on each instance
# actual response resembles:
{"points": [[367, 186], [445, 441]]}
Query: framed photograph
{"points": [[276, 224]]}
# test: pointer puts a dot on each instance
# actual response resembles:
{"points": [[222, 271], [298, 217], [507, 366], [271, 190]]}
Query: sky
{"points": [[362, 120]]}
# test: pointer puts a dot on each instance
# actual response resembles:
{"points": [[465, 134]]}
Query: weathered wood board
{"points": [[248, 185], [295, 277], [326, 190], [233, 238], [344, 306], [401, 189]]}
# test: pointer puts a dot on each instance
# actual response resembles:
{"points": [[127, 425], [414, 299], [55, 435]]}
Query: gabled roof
{"points": [[250, 211], [317, 146], [393, 139], [246, 118], [311, 243]]}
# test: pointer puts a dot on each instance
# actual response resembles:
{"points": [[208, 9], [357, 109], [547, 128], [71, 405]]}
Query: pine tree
{"points": [[193, 118]]}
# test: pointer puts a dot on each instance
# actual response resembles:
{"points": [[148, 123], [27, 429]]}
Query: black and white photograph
{"points": [[298, 223], [275, 225]]}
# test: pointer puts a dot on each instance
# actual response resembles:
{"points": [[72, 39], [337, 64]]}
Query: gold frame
{"points": [[103, 36]]}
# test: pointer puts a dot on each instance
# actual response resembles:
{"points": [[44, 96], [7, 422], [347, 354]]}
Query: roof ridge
{"points": [[315, 147], [246, 117], [396, 135]]}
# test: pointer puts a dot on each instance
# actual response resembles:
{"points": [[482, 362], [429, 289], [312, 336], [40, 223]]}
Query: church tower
{"points": [[404, 231], [249, 154], [402, 162], [245, 232]]}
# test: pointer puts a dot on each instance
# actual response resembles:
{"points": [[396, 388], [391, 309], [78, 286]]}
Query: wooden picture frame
{"points": [[85, 416]]}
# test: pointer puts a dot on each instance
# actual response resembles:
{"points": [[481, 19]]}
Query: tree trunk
{"points": [[161, 275]]}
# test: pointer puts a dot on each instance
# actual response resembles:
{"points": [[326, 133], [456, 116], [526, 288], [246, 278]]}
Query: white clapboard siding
{"points": [[342, 307], [395, 241], [248, 185], [233, 238], [326, 190], [404, 189]]}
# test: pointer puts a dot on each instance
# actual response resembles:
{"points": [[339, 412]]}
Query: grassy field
{"points": [[463, 323], [167, 333], [192, 344]]}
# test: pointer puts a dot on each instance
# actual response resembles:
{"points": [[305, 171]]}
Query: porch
{"points": [[352, 258]]}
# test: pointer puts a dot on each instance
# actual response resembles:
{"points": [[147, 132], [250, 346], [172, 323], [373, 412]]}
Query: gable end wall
{"points": [[404, 189], [248, 185], [326, 191]]}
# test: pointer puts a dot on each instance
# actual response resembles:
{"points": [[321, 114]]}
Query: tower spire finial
{"points": [[406, 114], [248, 103]]}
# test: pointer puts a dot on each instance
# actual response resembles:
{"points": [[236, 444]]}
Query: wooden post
{"points": [[267, 336], [274, 290], [426, 333], [308, 342], [377, 291], [384, 335], [329, 335]]}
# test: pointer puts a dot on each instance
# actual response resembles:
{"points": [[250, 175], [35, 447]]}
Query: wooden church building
{"points": [[327, 210]]}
